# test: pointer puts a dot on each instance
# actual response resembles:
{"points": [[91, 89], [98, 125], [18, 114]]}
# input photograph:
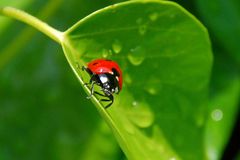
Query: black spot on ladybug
{"points": [[115, 72], [95, 63]]}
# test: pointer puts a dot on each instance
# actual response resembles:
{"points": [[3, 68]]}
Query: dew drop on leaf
{"points": [[152, 90], [104, 53], [153, 85], [140, 114], [142, 29], [117, 46], [134, 103], [135, 60], [217, 115], [136, 56], [153, 16]]}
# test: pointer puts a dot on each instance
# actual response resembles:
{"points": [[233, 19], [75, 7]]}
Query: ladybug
{"points": [[106, 74]]}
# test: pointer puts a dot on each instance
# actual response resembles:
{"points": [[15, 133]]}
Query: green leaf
{"points": [[223, 107], [223, 19], [165, 56], [40, 113]]}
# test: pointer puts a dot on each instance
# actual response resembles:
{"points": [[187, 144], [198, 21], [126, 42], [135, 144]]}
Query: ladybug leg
{"points": [[100, 94], [92, 90], [87, 70], [110, 99], [84, 68], [90, 81], [106, 100], [93, 76]]}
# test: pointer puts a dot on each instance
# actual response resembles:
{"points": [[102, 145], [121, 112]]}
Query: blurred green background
{"points": [[43, 110]]}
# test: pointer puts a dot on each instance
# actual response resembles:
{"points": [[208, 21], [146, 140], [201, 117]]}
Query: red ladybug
{"points": [[106, 74]]}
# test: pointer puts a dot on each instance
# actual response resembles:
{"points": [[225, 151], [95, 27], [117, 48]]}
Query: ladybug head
{"points": [[109, 83]]}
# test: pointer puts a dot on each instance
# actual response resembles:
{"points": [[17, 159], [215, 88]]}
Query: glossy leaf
{"points": [[222, 19], [165, 56], [223, 107]]}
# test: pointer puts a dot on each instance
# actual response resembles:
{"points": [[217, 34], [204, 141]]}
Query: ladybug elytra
{"points": [[106, 74]]}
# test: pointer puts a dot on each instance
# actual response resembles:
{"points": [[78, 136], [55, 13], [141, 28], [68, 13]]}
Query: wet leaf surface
{"points": [[165, 56]]}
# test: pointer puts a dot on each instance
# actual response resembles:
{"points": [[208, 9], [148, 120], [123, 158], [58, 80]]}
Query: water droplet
{"points": [[172, 158], [134, 103], [105, 53], [142, 29], [135, 60], [217, 115], [140, 114], [152, 90], [153, 16], [153, 85], [117, 46], [136, 56]]}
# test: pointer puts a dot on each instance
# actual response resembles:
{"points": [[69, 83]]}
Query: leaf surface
{"points": [[165, 56], [223, 106]]}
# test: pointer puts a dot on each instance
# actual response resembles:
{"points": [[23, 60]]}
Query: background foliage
{"points": [[39, 115]]}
